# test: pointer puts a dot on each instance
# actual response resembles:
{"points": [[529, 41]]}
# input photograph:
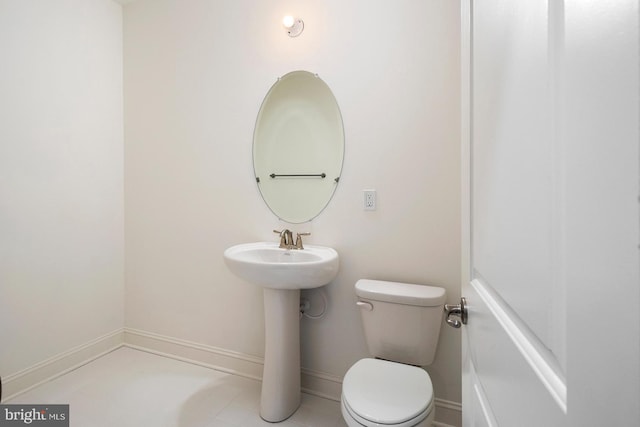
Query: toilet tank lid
{"points": [[400, 293]]}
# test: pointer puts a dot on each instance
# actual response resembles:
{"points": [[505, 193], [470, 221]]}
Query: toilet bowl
{"points": [[402, 325], [383, 393]]}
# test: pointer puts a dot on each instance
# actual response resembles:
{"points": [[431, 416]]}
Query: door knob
{"points": [[458, 310]]}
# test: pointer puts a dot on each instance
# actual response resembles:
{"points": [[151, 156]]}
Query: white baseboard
{"points": [[321, 384], [448, 414], [60, 364], [199, 354], [313, 382]]}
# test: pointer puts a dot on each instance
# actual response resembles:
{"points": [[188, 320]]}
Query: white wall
{"points": [[61, 171], [195, 74]]}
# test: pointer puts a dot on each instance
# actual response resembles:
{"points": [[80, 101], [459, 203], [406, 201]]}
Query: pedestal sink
{"points": [[282, 273]]}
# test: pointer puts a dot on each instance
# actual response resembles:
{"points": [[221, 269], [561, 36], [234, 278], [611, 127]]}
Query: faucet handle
{"points": [[299, 239], [281, 233]]}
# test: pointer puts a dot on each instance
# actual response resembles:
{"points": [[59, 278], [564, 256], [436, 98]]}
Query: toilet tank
{"points": [[401, 321]]}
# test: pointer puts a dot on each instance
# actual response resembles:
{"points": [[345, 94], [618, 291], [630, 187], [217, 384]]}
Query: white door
{"points": [[551, 143]]}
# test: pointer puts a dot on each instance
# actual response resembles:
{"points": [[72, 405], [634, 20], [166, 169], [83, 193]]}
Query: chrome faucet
{"points": [[286, 238]]}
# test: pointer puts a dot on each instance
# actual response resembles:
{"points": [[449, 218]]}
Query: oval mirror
{"points": [[298, 147]]}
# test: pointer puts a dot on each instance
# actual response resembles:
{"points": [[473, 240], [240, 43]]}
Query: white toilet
{"points": [[401, 324]]}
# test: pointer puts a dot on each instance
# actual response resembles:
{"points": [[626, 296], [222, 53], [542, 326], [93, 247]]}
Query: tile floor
{"points": [[132, 388]]}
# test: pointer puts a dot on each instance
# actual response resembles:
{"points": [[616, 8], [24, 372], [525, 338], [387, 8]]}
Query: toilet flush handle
{"points": [[365, 305]]}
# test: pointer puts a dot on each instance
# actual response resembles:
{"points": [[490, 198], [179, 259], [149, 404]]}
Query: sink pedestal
{"points": [[280, 396], [282, 273]]}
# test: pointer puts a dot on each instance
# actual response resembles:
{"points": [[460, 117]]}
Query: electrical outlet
{"points": [[369, 200]]}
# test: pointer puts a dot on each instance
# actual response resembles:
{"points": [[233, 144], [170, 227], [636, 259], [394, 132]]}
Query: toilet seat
{"points": [[347, 411], [383, 393]]}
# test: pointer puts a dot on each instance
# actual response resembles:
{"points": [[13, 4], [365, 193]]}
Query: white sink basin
{"points": [[265, 264]]}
